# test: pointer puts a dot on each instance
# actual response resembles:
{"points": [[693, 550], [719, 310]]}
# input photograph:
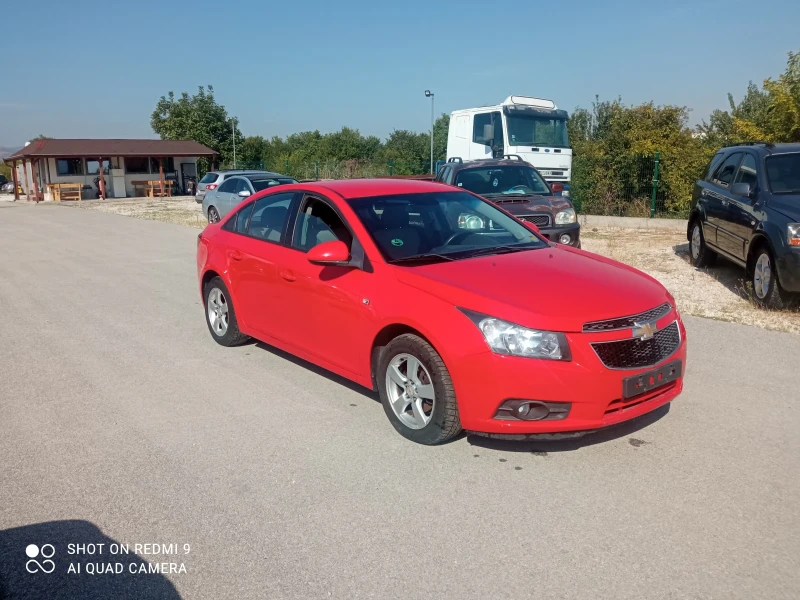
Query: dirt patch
{"points": [[716, 293], [179, 210], [719, 292]]}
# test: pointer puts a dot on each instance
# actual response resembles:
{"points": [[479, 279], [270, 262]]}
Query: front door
{"points": [[741, 216], [324, 305]]}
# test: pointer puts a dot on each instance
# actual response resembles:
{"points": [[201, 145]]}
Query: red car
{"points": [[459, 315]]}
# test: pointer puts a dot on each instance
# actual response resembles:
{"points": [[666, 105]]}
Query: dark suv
{"points": [[747, 209], [517, 187]]}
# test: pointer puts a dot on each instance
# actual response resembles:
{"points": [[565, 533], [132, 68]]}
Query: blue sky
{"points": [[89, 69]]}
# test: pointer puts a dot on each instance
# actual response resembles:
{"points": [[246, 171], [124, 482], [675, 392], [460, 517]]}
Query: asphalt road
{"points": [[121, 421]]}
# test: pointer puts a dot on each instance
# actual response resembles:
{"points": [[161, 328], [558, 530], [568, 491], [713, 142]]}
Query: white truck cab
{"points": [[532, 128]]}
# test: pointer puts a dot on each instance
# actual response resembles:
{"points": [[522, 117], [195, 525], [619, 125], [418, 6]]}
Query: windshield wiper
{"points": [[494, 250], [420, 258]]}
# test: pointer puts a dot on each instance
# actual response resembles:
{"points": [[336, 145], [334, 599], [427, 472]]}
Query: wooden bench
{"points": [[65, 191], [154, 188]]}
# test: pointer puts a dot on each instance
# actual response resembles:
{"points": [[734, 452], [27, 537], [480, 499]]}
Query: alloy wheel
{"points": [[218, 312], [213, 215], [762, 276], [410, 390], [696, 240]]}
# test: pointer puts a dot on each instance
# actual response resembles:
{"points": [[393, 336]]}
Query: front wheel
{"points": [[416, 391], [213, 215], [767, 288]]}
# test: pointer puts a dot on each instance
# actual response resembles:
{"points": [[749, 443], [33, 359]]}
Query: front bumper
{"points": [[484, 381], [554, 233], [789, 270]]}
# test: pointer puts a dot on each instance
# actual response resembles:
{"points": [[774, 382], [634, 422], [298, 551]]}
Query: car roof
{"points": [[490, 162], [364, 188], [265, 174], [765, 147]]}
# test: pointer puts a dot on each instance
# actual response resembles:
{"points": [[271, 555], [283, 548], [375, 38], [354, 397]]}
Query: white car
{"points": [[218, 201]]}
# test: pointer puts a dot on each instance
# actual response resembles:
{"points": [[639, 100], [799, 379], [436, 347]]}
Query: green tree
{"points": [[199, 118]]}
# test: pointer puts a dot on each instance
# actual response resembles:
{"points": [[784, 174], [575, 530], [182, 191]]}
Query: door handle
{"points": [[725, 202], [235, 255], [288, 275]]}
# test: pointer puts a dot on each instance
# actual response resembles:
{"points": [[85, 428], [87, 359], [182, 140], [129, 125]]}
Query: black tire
{"points": [[213, 215], [775, 298], [701, 255], [231, 336], [444, 422]]}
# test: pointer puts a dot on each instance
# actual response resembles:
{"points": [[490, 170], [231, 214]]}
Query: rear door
{"points": [[717, 198]]}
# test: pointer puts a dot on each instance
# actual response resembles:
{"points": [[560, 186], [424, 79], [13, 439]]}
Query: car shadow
{"points": [[725, 272], [35, 562], [318, 371], [544, 445]]}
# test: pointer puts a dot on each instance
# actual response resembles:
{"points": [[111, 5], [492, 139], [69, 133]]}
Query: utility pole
{"points": [[429, 94], [233, 133]]}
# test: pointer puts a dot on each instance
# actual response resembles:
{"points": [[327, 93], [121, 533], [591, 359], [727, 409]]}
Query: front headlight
{"points": [[794, 234], [565, 217], [514, 340]]}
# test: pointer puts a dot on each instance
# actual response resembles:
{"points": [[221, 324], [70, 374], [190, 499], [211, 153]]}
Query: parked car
{"points": [[217, 202], [517, 187], [213, 179], [747, 210], [388, 283]]}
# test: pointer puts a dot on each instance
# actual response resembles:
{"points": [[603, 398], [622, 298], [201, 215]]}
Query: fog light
{"points": [[565, 239], [532, 410]]}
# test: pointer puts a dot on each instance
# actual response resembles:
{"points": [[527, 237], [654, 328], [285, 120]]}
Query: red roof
{"points": [[109, 148]]}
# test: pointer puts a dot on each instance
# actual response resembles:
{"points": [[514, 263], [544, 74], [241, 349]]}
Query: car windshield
{"points": [[499, 181], [270, 182], [209, 178], [438, 226], [783, 172], [529, 130]]}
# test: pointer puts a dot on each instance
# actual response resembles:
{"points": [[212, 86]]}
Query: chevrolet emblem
{"points": [[645, 331]]}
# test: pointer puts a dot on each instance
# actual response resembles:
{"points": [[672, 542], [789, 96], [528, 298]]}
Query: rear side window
{"points": [[209, 178], [712, 167], [228, 187], [269, 217], [724, 175]]}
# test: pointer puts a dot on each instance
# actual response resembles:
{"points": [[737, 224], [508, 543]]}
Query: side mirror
{"points": [[488, 135], [244, 193], [556, 188], [741, 189], [334, 253], [532, 227]]}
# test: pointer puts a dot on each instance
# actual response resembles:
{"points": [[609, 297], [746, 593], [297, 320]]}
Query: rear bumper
{"points": [[486, 380], [554, 233]]}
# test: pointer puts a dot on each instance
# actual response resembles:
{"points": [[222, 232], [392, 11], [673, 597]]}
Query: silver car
{"points": [[213, 179], [218, 202]]}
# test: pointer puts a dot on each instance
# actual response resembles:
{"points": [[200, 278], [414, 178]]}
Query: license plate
{"points": [[651, 380]]}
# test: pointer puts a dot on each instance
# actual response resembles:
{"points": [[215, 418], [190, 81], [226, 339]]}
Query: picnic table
{"points": [[154, 188], [65, 191]]}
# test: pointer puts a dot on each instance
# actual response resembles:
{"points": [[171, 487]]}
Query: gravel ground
{"points": [[716, 293]]}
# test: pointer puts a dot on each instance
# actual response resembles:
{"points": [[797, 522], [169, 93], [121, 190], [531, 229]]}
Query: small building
{"points": [[126, 164]]}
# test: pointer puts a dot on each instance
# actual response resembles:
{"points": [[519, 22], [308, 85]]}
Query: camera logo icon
{"points": [[46, 552]]}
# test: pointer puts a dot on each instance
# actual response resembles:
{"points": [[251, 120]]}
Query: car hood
{"points": [[554, 288], [531, 204], [787, 204]]}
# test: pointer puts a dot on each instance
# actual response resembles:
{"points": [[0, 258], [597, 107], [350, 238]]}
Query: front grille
{"points": [[538, 220], [637, 353], [627, 322]]}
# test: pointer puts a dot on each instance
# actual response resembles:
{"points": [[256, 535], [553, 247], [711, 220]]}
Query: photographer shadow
{"points": [[35, 563]]}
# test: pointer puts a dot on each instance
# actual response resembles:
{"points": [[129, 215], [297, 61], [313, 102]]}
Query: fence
{"points": [[632, 186]]}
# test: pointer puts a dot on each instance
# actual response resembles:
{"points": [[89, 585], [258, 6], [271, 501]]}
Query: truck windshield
{"points": [[529, 130], [501, 181]]}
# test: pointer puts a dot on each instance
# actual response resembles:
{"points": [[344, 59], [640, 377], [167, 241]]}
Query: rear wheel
{"points": [[220, 316], [767, 288], [702, 256], [213, 215], [416, 391]]}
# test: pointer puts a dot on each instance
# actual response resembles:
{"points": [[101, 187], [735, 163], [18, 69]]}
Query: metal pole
{"points": [[233, 133], [431, 133], [655, 186]]}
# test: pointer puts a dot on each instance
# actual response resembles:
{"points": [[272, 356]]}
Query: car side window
{"points": [[241, 184], [724, 175], [228, 186], [748, 171], [441, 174], [480, 120], [269, 217], [713, 165], [316, 223], [450, 174]]}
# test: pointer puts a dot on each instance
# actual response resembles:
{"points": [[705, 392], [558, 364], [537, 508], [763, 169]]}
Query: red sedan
{"points": [[456, 313]]}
